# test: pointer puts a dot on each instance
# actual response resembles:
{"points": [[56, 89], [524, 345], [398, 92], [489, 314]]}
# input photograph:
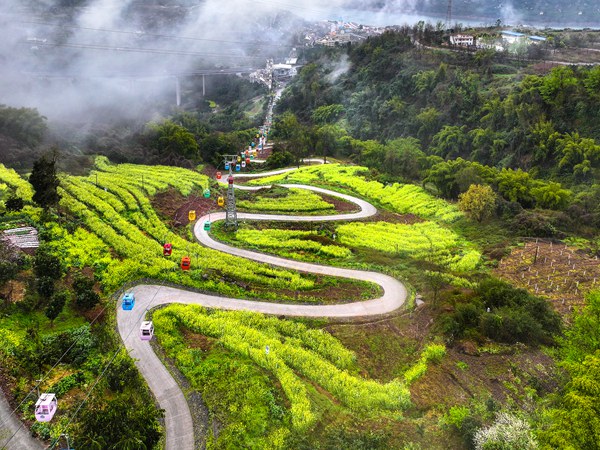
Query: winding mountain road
{"points": [[178, 419]]}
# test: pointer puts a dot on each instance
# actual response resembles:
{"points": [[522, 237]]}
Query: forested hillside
{"points": [[450, 120]]}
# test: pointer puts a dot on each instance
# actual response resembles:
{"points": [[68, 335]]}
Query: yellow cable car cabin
{"points": [[220, 201]]}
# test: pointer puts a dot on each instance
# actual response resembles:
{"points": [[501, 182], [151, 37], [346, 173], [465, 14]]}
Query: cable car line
{"points": [[34, 389], [89, 391], [141, 50], [157, 35]]}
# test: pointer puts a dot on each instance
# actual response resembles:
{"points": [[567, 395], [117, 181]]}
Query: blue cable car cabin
{"points": [[128, 301]]}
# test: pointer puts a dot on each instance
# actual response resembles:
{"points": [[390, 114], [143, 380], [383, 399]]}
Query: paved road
{"points": [[178, 420], [13, 434]]}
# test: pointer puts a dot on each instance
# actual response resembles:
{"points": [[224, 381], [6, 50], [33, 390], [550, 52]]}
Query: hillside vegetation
{"points": [[477, 166]]}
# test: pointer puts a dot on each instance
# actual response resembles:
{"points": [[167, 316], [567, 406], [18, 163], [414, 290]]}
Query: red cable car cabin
{"points": [[185, 263], [167, 249]]}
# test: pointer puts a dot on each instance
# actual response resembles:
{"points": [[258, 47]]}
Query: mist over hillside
{"points": [[81, 59], [119, 58]]}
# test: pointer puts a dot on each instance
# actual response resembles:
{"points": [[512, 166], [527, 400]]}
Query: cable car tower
{"points": [[230, 162]]}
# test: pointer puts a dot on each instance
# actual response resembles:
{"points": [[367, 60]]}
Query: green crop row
{"points": [[297, 200], [401, 198], [294, 240], [425, 240], [118, 212], [153, 178], [11, 178], [284, 358]]}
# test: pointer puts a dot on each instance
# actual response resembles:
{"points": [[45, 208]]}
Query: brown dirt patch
{"points": [[560, 273], [174, 207], [196, 340], [13, 291], [392, 217], [502, 377], [339, 204]]}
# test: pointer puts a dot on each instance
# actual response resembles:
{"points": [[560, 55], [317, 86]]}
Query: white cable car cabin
{"points": [[146, 330], [45, 407]]}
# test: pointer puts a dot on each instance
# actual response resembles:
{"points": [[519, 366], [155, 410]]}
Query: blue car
{"points": [[128, 302]]}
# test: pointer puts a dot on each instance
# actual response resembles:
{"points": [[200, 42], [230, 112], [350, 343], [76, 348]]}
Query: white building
{"points": [[512, 37], [465, 40]]}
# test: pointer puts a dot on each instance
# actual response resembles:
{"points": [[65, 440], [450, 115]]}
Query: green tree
{"points": [[46, 264], [515, 185], [14, 204], [404, 157], [479, 202], [581, 155], [450, 142], [45, 287], [173, 141], [574, 421], [551, 195], [122, 421], [327, 138], [23, 124], [44, 180], [327, 114], [56, 305], [85, 296], [428, 122]]}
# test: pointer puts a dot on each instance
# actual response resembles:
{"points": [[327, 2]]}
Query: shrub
{"points": [[85, 296], [55, 345], [508, 432]]}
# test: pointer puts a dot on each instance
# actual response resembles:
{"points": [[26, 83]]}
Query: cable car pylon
{"points": [[230, 210]]}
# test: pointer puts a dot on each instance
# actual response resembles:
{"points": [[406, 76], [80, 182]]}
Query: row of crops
{"points": [[113, 204], [422, 241], [401, 198], [295, 201], [11, 179], [297, 356]]}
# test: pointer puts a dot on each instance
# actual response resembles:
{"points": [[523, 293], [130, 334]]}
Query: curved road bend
{"points": [[178, 420]]}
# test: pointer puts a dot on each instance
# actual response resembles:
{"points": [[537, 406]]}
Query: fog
{"points": [[83, 59], [120, 57]]}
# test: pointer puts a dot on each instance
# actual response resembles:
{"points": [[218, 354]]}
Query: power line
{"points": [[122, 345], [157, 51], [156, 35], [34, 389]]}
